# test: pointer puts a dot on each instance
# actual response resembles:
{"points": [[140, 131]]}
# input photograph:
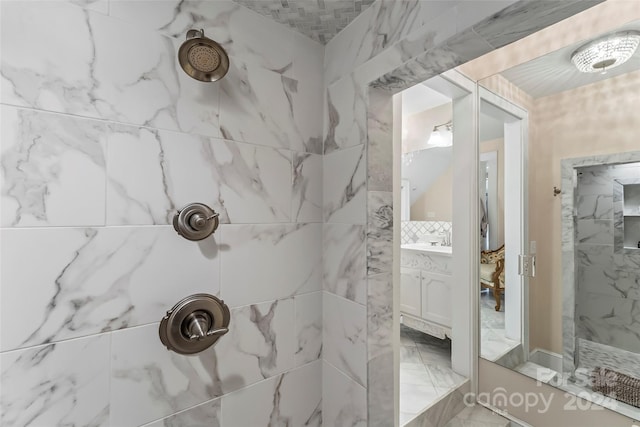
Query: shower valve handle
{"points": [[220, 331], [199, 221], [196, 221]]}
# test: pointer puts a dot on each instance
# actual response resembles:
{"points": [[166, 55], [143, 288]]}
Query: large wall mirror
{"points": [[560, 296]]}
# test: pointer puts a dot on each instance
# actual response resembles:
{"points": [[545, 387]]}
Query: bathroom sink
{"points": [[427, 247]]}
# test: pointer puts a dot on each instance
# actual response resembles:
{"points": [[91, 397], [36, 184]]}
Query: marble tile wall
{"points": [[608, 284], [595, 355], [103, 138]]}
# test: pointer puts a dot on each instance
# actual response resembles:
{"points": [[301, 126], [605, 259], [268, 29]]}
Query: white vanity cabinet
{"points": [[425, 288], [410, 292]]}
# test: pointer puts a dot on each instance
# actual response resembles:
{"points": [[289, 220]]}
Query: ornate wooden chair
{"points": [[492, 273]]}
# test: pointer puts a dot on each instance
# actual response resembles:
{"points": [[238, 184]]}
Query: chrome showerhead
{"points": [[202, 58]]}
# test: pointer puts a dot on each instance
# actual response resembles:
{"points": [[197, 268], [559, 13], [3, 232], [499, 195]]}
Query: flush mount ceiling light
{"points": [[607, 52], [441, 136]]}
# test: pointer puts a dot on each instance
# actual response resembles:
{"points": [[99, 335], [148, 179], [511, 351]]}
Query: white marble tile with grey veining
{"points": [[101, 6], [149, 382], [152, 174], [344, 401], [376, 30], [266, 108], [456, 51], [205, 415], [416, 397], [595, 255], [597, 206], [569, 337], [618, 215], [394, 21], [307, 69], [379, 314], [380, 389], [260, 344], [96, 280], [344, 263], [344, 186], [307, 188], [631, 192], [511, 359], [351, 47], [415, 41], [346, 115], [609, 320], [594, 355], [291, 399], [56, 384], [594, 181], [379, 232], [269, 262], [594, 231], [380, 141], [444, 410], [344, 336], [308, 323], [516, 22], [570, 262], [52, 169], [610, 281], [79, 72], [224, 21]]}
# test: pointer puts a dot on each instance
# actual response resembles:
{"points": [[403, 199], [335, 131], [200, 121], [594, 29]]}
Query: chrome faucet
{"points": [[446, 238]]}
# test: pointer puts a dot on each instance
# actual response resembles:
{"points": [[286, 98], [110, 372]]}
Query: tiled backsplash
{"points": [[412, 231]]}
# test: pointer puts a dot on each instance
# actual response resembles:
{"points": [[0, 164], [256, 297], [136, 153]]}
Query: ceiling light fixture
{"points": [[607, 52], [441, 137]]}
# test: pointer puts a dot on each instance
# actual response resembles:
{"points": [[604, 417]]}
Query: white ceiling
{"points": [[554, 73], [419, 98], [319, 19]]}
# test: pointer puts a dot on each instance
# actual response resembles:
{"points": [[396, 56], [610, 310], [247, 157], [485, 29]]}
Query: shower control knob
{"points": [[196, 221], [194, 324]]}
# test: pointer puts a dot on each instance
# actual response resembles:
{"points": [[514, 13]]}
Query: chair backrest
{"points": [[493, 256]]}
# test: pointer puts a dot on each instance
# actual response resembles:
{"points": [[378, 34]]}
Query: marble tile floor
{"points": [[478, 416], [538, 372], [493, 342], [425, 372]]}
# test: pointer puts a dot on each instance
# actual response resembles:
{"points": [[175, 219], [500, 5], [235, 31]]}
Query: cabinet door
{"points": [[436, 298], [410, 292]]}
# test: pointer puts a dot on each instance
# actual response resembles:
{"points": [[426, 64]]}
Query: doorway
{"points": [[434, 143]]}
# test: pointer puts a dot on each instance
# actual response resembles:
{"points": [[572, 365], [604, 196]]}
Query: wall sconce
{"points": [[442, 135]]}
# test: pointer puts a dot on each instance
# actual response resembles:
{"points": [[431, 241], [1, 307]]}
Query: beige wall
{"points": [[600, 118], [545, 292], [437, 200], [418, 127], [593, 119], [578, 119]]}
